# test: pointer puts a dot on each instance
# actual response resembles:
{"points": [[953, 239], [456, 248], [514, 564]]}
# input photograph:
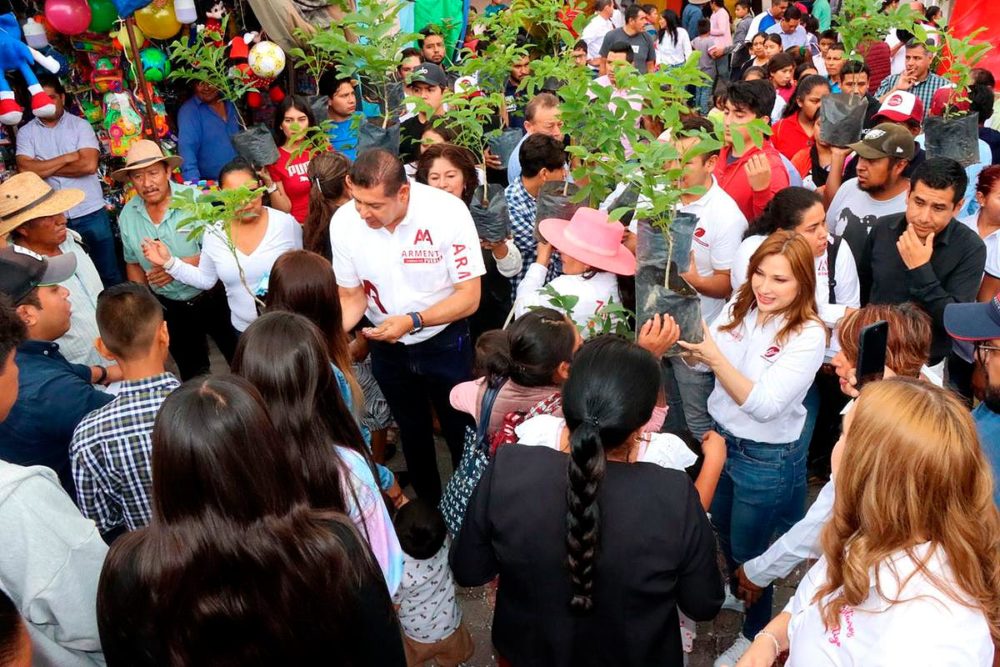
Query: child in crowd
{"points": [[592, 253], [425, 601], [719, 96], [706, 63], [781, 73]]}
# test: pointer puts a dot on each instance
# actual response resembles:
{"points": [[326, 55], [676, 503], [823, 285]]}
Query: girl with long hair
{"points": [[237, 567], [764, 349], [794, 132], [578, 537], [288, 179], [260, 235], [674, 46], [758, 53], [328, 191], [910, 572], [285, 357], [303, 283]]}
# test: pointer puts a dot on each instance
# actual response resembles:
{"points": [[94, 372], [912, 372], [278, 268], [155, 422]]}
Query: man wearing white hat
{"points": [[191, 314]]}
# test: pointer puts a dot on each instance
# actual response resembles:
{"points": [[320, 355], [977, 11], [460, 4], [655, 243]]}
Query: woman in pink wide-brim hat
{"points": [[592, 256]]}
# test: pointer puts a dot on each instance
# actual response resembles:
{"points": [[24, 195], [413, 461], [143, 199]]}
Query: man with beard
{"points": [[514, 93], [879, 188], [433, 50], [979, 324], [190, 313]]}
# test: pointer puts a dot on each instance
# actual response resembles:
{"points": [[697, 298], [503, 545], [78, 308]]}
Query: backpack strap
{"points": [[831, 268], [486, 411]]}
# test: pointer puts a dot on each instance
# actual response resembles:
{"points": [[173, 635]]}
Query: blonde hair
{"points": [[796, 250], [913, 471]]}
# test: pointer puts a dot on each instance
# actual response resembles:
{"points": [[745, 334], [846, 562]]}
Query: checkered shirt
{"points": [[521, 208], [111, 455]]}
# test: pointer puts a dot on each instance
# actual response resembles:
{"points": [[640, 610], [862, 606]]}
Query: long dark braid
{"points": [[586, 470]]}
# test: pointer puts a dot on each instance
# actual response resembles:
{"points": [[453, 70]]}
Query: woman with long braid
{"points": [[595, 554]]}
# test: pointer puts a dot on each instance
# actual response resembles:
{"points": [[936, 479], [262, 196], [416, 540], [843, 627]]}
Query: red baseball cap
{"points": [[943, 98], [900, 107]]}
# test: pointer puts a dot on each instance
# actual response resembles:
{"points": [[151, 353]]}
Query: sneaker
{"points": [[733, 603], [733, 653]]}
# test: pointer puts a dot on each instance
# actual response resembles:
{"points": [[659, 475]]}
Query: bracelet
{"points": [[777, 645], [272, 189], [169, 264], [103, 376]]}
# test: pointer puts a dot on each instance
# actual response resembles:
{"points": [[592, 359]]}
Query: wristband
{"points": [[103, 376], [418, 322], [770, 635], [272, 189], [169, 264]]}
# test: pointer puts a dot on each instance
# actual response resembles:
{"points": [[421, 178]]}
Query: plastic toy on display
{"points": [[106, 76], [122, 122], [15, 54], [155, 65], [162, 128], [93, 112]]}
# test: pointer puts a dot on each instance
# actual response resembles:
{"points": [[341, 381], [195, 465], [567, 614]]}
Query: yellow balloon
{"points": [[158, 22], [122, 37]]}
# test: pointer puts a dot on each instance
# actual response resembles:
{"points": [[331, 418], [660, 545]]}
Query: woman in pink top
{"points": [[722, 35]]}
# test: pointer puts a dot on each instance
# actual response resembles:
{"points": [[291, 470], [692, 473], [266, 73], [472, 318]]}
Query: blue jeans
{"points": [[416, 379], [694, 388], [811, 404], [762, 491], [703, 99], [95, 228]]}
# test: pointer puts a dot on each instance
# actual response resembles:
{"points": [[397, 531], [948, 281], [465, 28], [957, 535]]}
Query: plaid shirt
{"points": [[924, 90], [521, 207], [111, 452]]}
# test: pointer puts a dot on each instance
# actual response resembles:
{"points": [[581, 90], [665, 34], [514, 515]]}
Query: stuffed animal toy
{"points": [[15, 54], [239, 54], [213, 23]]}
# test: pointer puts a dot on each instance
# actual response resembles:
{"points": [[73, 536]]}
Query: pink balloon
{"points": [[70, 17]]}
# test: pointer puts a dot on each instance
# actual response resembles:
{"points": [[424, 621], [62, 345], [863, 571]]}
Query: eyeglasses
{"points": [[983, 352]]}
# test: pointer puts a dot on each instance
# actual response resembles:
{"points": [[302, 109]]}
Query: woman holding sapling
{"points": [[288, 179], [242, 256]]}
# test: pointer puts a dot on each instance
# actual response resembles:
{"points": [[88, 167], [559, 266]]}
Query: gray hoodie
{"points": [[50, 561]]}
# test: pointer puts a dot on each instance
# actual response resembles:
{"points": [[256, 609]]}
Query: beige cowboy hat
{"points": [[25, 196], [142, 154]]}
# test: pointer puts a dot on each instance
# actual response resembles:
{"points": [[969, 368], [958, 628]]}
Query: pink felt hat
{"points": [[591, 238]]}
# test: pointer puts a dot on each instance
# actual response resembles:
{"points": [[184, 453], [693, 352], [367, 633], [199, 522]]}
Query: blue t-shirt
{"points": [[988, 426], [344, 136], [385, 476]]}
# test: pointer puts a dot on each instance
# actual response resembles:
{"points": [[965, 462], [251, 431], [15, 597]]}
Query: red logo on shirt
{"points": [[699, 232], [771, 352], [458, 250], [423, 235], [372, 293]]}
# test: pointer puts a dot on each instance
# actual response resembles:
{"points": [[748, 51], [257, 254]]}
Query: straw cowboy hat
{"points": [[142, 154], [25, 196], [591, 238]]}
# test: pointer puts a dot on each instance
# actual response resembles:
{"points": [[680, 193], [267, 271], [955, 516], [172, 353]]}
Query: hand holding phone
{"points": [[872, 343]]}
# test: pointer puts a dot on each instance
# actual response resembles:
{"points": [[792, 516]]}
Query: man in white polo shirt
{"points": [[717, 237], [407, 256]]}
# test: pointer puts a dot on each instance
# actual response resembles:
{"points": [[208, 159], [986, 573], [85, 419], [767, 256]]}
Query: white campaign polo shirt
{"points": [[781, 375], [435, 247], [717, 237]]}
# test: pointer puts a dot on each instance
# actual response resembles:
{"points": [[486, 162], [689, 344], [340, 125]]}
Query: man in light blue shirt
{"points": [[204, 124], [789, 28]]}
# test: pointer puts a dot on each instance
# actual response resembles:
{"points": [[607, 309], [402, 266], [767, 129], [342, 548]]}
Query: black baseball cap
{"points": [[22, 270], [430, 74]]}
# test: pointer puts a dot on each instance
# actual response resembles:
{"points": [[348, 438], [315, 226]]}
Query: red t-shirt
{"points": [[293, 178], [789, 137]]}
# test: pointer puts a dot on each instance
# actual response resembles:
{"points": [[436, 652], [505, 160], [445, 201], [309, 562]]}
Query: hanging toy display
{"points": [[266, 60], [158, 20], [15, 54], [93, 112], [102, 16], [162, 127], [106, 76], [121, 39], [155, 64], [122, 122], [185, 11], [213, 23], [69, 17]]}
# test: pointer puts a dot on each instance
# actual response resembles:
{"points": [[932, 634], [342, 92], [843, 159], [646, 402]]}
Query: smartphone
{"points": [[872, 344]]}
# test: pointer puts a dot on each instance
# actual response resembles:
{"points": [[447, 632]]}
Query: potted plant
{"points": [[372, 59], [202, 61], [213, 212], [863, 23], [955, 134]]}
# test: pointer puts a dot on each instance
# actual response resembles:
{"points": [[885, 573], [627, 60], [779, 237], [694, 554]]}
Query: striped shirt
{"points": [[111, 453]]}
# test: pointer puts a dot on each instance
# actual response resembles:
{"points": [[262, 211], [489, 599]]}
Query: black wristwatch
{"points": [[418, 322]]}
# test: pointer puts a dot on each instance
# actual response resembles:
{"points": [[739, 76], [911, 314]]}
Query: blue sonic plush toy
{"points": [[15, 54]]}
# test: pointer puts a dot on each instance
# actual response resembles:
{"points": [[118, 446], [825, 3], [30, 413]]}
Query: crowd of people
{"points": [[613, 490]]}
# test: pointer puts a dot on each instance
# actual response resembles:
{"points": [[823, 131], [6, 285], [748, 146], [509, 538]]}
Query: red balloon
{"points": [[70, 17]]}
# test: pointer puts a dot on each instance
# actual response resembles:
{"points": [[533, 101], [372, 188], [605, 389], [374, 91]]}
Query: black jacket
{"points": [[657, 552]]}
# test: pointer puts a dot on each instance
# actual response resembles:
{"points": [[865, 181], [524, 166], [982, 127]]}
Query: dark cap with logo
{"points": [[21, 271], [430, 74], [886, 140]]}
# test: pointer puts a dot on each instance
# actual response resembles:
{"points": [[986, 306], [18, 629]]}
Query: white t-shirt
{"points": [[717, 237], [428, 610], [593, 293], [671, 53], [853, 203], [992, 245], [781, 376], [898, 62], [283, 233], [415, 266], [927, 628], [594, 34]]}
